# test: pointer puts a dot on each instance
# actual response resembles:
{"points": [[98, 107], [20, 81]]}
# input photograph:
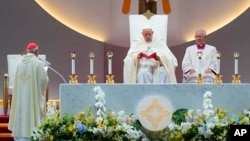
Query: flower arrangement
{"points": [[106, 125], [205, 125]]}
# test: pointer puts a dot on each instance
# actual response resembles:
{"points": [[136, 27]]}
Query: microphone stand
{"points": [[46, 63], [57, 73]]}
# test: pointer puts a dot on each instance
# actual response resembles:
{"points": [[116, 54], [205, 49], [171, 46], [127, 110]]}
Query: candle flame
{"points": [[236, 54], [110, 54], [218, 54], [73, 55], [91, 55]]}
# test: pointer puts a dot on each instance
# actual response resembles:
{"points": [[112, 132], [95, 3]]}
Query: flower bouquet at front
{"points": [[209, 124], [102, 126]]}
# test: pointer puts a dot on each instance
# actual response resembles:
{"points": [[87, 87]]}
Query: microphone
{"points": [[44, 61], [48, 65]]}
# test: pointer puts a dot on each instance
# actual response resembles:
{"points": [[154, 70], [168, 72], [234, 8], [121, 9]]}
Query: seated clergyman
{"points": [[149, 60], [207, 65]]}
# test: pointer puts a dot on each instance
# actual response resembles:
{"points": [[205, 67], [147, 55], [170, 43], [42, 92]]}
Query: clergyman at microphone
{"points": [[28, 99]]}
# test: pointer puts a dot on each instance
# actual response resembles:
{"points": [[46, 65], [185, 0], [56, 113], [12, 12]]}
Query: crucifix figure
{"points": [[145, 5]]}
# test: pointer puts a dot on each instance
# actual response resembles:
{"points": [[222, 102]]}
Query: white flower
{"points": [[99, 119], [99, 104], [121, 113], [51, 109], [95, 131], [36, 134], [247, 113], [97, 89], [185, 126], [208, 94], [171, 126], [99, 112]]}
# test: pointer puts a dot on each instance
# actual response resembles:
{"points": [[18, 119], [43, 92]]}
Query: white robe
{"points": [[28, 98], [132, 65], [208, 60]]}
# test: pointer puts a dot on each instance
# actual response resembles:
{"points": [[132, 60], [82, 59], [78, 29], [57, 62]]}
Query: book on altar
{"points": [[148, 56]]}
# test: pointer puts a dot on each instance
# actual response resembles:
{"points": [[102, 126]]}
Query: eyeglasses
{"points": [[198, 36]]}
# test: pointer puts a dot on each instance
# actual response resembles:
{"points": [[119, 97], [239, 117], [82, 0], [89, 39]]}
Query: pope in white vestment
{"points": [[28, 108], [207, 65], [149, 60]]}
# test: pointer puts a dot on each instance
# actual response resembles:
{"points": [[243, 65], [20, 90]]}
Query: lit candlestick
{"points": [[236, 57], [73, 56], [199, 54], [218, 62], [110, 55], [91, 56]]}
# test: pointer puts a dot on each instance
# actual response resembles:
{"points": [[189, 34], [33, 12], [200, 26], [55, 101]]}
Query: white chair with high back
{"points": [[13, 60], [159, 24]]}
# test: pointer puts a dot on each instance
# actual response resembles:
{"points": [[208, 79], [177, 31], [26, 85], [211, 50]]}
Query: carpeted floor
{"points": [[5, 134]]}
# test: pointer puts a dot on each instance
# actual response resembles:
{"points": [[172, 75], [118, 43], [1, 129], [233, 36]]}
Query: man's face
{"points": [[200, 38], [147, 34]]}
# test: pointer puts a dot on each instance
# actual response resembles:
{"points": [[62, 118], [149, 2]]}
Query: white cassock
{"points": [[28, 99], [149, 70], [208, 60]]}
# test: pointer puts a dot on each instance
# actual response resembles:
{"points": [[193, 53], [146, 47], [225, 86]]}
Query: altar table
{"points": [[75, 98]]}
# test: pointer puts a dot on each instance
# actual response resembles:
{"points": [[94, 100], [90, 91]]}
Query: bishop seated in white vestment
{"points": [[207, 66]]}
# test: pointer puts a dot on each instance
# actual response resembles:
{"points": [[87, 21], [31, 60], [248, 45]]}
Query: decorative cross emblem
{"points": [[24, 76], [155, 113]]}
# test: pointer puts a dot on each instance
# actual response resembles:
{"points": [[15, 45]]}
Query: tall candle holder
{"points": [[73, 79], [73, 76], [217, 79], [91, 77], [236, 79], [199, 78], [236, 76], [110, 77]]}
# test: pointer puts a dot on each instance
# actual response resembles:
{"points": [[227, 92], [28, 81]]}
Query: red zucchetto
{"points": [[32, 46]]}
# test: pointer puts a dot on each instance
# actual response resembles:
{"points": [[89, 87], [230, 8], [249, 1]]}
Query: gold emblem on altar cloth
{"points": [[155, 113]]}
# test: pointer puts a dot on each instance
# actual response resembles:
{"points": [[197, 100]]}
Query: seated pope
{"points": [[149, 60]]}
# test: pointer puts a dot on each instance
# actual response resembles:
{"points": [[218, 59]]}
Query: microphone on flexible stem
{"points": [[44, 61], [48, 65]]}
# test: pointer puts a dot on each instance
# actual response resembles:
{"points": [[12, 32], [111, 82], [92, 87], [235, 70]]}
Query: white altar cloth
{"points": [[75, 98]]}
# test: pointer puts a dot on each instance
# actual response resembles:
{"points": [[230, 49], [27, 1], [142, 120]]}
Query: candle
{"points": [[236, 56], [91, 65], [73, 55], [110, 66], [91, 56], [218, 62], [110, 54]]}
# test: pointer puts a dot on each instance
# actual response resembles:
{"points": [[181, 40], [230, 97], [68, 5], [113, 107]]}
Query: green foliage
{"points": [[179, 116]]}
